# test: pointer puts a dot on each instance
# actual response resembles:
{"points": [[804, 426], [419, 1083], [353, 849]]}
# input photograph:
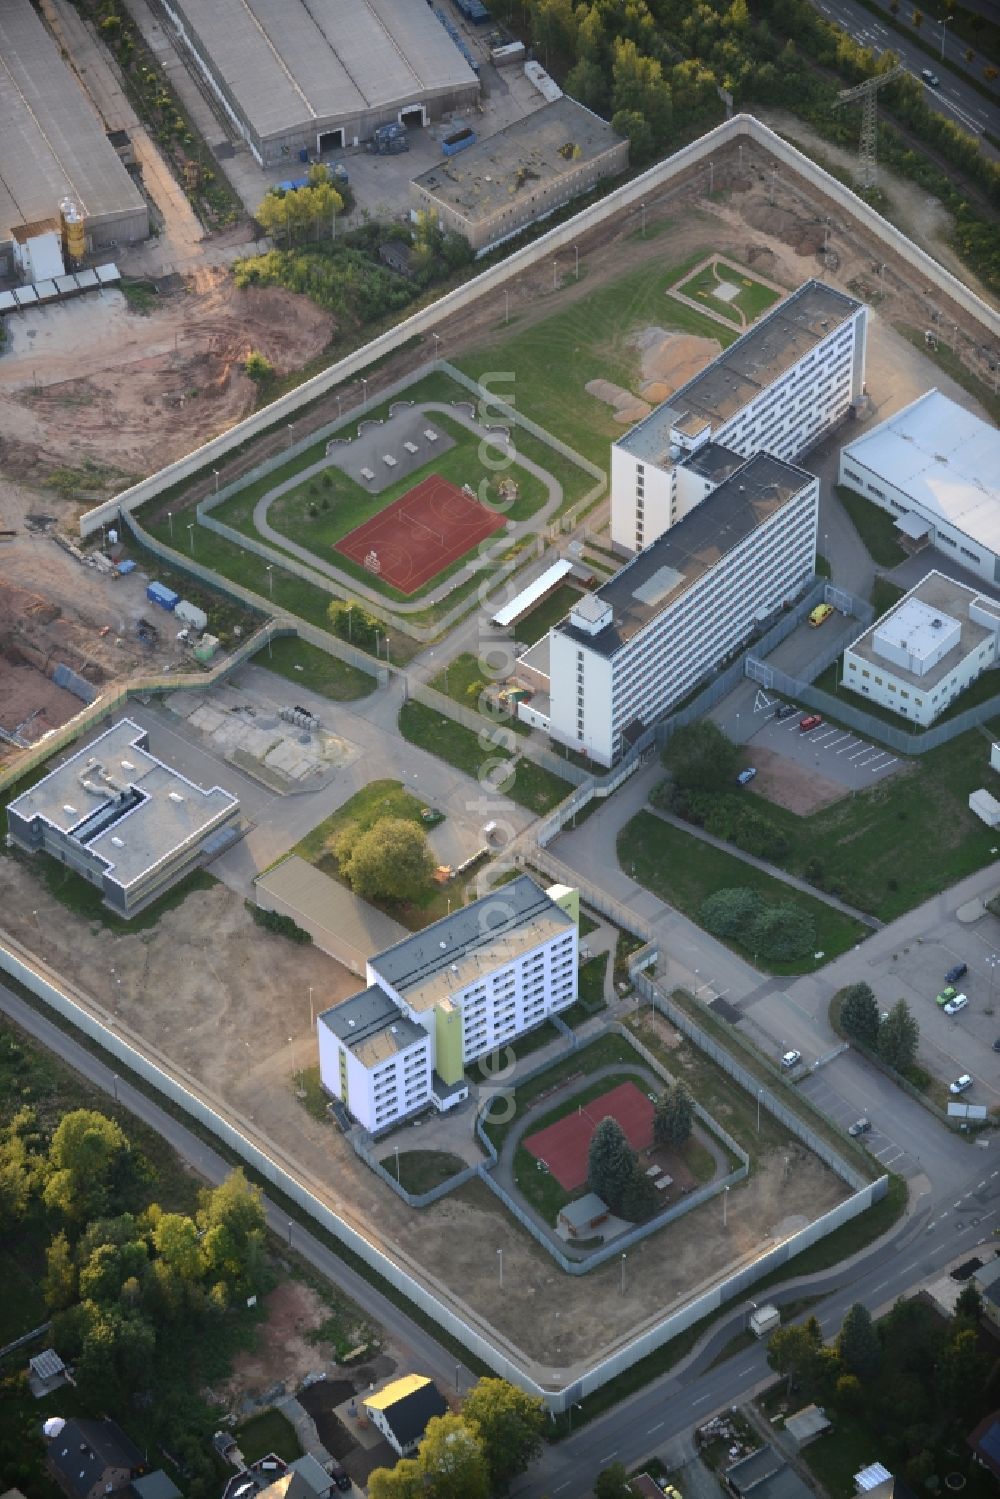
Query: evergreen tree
{"points": [[859, 1013], [858, 1344], [674, 1116], [640, 1198], [610, 1162], [898, 1037], [969, 1306]]}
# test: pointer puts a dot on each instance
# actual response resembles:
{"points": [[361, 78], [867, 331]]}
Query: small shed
{"points": [[398, 256], [46, 1372], [579, 1217], [807, 1424]]}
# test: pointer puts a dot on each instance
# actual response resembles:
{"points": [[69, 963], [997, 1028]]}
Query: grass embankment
{"points": [[591, 339], [306, 665], [897, 844], [684, 871], [529, 785]]}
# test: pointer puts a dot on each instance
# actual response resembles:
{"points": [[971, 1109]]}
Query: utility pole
{"points": [[867, 94]]}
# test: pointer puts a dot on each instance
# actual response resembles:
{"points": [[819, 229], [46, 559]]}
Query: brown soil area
{"points": [[797, 787], [669, 360], [134, 392], [227, 1003], [283, 1351]]}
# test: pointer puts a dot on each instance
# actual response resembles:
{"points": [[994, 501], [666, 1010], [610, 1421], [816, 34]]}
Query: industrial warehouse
{"points": [[53, 148], [294, 78], [498, 187]]}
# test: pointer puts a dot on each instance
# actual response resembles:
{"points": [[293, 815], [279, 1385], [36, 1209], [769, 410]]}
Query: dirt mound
{"points": [[805, 236], [628, 407], [669, 360]]}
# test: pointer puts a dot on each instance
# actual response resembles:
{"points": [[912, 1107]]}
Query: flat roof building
{"points": [[778, 389], [936, 468], [339, 922], [438, 999], [926, 650], [123, 819], [323, 75], [625, 654], [493, 190], [52, 144]]}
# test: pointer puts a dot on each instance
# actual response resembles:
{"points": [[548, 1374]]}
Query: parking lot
{"points": [[875, 1140]]}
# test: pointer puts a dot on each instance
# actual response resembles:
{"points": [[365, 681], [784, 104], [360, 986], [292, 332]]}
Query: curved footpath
{"points": [[530, 527]]}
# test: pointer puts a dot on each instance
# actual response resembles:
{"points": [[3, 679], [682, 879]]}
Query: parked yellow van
{"points": [[820, 614]]}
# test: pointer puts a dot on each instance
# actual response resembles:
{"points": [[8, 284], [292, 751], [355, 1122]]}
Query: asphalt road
{"points": [[954, 97], [415, 1347]]}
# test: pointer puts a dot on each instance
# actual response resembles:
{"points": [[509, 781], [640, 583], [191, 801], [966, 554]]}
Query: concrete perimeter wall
{"points": [[641, 189], [18, 963]]}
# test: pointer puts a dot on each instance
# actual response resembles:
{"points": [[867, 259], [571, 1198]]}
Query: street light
{"points": [[269, 569], [312, 1016], [760, 1095], [289, 1233], [170, 523], [437, 345], [364, 394], [643, 207], [506, 304], [944, 34], [623, 1274], [500, 1262], [396, 1149], [576, 252], [577, 1405], [215, 471], [992, 960], [191, 537], [725, 1204]]}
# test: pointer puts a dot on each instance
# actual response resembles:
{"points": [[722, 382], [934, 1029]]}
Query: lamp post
{"points": [[437, 345], [289, 1233], [576, 252], [711, 178], [114, 1085], [944, 34], [339, 408], [992, 960], [170, 523], [364, 394], [500, 1263], [643, 208], [396, 1151], [270, 579], [506, 304], [623, 1275], [725, 1204], [312, 1013], [575, 1406], [760, 1094], [291, 433], [191, 537], [215, 471], [350, 626]]}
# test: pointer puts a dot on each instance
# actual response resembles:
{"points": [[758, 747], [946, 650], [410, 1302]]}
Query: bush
{"points": [[258, 367], [273, 921], [730, 913], [775, 931]]}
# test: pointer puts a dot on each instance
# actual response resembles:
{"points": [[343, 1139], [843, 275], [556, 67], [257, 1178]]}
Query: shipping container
{"points": [[128, 566], [159, 593], [191, 614], [458, 141]]}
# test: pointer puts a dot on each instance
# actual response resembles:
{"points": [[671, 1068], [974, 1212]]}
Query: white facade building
{"points": [[780, 388], [926, 650], [936, 468], [443, 997], [628, 652]]}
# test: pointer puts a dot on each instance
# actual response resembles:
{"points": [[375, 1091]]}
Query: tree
{"points": [[175, 1239], [86, 1152], [59, 1285], [918, 19], [859, 1012], [961, 1369], [587, 82], [610, 1162], [509, 1424], [792, 1350], [391, 860], [258, 367], [451, 1460], [849, 1394], [116, 1358], [404, 1481], [634, 128], [233, 1227], [674, 1116], [612, 1483], [898, 1037], [730, 912], [969, 1305], [354, 624], [18, 1167], [858, 1344], [781, 932], [637, 85], [108, 1268], [701, 758], [640, 1199]]}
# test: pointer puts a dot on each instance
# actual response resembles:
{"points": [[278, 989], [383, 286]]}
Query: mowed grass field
{"points": [[589, 339], [751, 300]]}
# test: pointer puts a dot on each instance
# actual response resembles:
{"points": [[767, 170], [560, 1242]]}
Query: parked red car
{"points": [[811, 721]]}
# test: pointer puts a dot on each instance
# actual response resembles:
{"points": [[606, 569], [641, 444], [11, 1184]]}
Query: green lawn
{"points": [[531, 786], [463, 681], [910, 836], [308, 666], [683, 871], [421, 1170], [549, 612], [752, 299], [268, 1432], [875, 526], [590, 339], [884, 595]]}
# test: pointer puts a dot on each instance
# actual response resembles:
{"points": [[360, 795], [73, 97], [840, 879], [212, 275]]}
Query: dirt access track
{"points": [[91, 380], [225, 1006]]}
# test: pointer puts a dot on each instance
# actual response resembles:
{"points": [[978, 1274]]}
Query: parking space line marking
{"points": [[849, 745], [859, 753], [840, 740]]}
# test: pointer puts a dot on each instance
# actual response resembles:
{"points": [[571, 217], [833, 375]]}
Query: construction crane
{"points": [[867, 92]]}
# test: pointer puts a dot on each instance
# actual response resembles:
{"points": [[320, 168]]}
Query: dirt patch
{"points": [[283, 1352], [670, 360], [89, 379], [628, 408], [797, 787]]}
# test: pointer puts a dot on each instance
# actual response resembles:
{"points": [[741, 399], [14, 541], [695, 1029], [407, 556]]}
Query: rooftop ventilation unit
{"points": [[175, 796]]}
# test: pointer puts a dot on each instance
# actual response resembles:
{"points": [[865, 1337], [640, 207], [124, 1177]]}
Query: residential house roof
{"points": [[84, 1450], [407, 1405]]}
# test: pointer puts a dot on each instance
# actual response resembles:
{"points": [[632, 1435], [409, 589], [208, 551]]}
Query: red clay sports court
{"points": [[414, 539], [563, 1146]]}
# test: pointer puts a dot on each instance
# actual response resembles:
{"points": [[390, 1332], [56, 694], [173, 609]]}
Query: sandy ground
{"points": [[228, 1003], [284, 1351], [89, 379], [794, 786]]}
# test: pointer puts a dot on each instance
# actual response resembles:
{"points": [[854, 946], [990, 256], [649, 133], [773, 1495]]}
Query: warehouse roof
{"points": [[756, 360], [322, 905], [124, 805], [944, 459], [52, 145], [286, 64], [657, 577], [533, 151], [491, 932]]}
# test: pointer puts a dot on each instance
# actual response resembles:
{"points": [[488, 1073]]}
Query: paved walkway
{"points": [[765, 868], [305, 1429], [533, 526]]}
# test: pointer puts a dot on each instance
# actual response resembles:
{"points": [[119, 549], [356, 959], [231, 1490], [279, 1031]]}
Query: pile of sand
{"points": [[628, 407], [669, 360]]}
